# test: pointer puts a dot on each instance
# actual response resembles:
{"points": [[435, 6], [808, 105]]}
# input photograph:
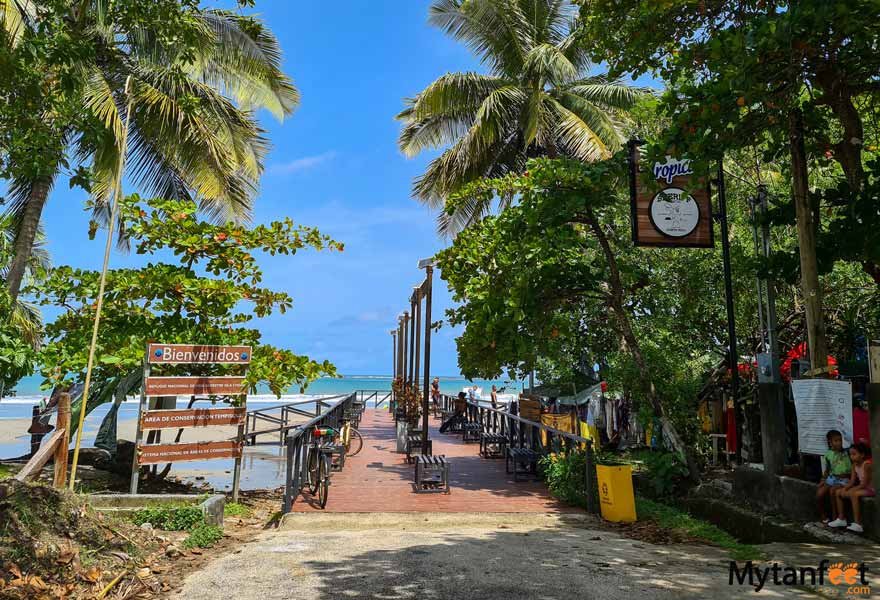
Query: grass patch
{"points": [[178, 517], [669, 517], [5, 472], [203, 536], [234, 509]]}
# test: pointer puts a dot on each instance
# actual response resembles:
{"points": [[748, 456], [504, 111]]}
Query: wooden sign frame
{"points": [[156, 420], [673, 178]]}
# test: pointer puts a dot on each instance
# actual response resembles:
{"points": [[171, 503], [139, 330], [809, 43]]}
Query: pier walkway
{"points": [[379, 479]]}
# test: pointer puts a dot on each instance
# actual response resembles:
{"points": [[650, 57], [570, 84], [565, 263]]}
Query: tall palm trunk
{"points": [[27, 232]]}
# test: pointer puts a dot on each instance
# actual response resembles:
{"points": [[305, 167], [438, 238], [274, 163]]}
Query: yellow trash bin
{"points": [[616, 499]]}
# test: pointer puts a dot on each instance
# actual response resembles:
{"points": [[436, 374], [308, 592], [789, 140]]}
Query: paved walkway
{"points": [[432, 556], [378, 479]]}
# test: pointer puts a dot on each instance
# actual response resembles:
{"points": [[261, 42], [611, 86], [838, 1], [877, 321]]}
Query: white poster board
{"points": [[822, 405]]}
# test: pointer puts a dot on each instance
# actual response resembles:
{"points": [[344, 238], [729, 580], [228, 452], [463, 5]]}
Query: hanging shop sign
{"points": [[530, 410], [670, 206], [174, 354]]}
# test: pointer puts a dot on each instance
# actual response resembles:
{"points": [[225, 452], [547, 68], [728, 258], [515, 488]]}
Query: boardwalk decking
{"points": [[379, 479]]}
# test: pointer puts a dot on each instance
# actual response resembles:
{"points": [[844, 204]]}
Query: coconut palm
{"points": [[538, 98], [23, 318], [193, 132]]}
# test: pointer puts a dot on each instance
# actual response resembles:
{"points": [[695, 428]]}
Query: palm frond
{"points": [[610, 93], [16, 17], [242, 59], [484, 26]]}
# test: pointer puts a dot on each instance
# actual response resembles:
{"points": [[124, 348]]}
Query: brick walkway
{"points": [[379, 479]]}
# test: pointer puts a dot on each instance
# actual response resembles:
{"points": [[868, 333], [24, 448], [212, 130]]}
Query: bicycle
{"points": [[351, 438], [319, 464]]}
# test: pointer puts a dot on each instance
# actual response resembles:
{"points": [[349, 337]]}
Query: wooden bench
{"points": [[416, 443], [432, 474], [524, 460], [493, 445], [471, 432], [336, 452]]}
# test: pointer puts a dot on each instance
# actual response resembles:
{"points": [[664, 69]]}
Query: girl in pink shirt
{"points": [[860, 484]]}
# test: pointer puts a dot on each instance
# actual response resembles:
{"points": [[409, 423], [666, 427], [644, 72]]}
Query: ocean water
{"points": [[262, 466], [28, 389]]}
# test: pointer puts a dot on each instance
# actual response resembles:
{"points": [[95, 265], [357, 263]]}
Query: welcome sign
{"points": [[671, 206]]}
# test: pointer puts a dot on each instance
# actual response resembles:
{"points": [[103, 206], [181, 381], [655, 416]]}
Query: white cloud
{"points": [[301, 164]]}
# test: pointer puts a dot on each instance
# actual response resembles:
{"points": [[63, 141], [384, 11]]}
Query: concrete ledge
{"points": [[794, 497], [212, 506]]}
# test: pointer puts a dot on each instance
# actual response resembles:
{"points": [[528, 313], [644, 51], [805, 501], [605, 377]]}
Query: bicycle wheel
{"points": [[355, 442], [324, 478], [314, 475]]}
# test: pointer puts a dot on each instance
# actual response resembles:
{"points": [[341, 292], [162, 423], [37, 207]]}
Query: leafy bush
{"points": [[665, 470], [234, 509], [203, 536], [565, 476], [170, 518]]}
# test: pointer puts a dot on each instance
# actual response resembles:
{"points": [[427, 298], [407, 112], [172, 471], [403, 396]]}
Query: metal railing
{"points": [[523, 433], [297, 446], [378, 397], [281, 423]]}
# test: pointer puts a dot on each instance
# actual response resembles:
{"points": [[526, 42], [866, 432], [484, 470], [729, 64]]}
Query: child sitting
{"points": [[837, 471], [860, 484]]}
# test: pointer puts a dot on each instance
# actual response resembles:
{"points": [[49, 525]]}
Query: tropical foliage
{"points": [[199, 299], [194, 76], [538, 98]]}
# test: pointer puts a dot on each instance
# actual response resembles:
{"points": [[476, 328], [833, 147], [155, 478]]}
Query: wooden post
{"points": [[427, 376], [236, 473], [62, 425], [873, 394], [418, 337], [138, 436]]}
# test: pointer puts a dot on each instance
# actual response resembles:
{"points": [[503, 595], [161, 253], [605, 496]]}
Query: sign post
{"points": [[180, 354]]}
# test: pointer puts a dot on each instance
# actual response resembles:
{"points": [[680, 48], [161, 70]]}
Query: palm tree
{"points": [[24, 318], [193, 132], [537, 99]]}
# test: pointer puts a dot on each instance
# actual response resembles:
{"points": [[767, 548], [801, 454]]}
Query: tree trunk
{"points": [[623, 321], [806, 230], [27, 232]]}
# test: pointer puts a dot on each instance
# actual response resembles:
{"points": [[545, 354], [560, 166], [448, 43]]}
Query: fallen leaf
{"points": [[37, 583], [65, 557], [196, 551], [93, 575], [143, 573], [121, 555], [13, 568]]}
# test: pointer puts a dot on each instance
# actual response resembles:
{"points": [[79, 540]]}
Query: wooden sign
{"points": [[530, 409], [169, 453], [197, 417], [670, 207], [175, 354], [194, 386]]}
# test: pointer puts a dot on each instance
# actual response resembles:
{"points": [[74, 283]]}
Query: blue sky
{"points": [[335, 165]]}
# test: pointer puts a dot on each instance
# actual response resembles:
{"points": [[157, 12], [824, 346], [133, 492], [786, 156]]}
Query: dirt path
{"points": [[445, 556]]}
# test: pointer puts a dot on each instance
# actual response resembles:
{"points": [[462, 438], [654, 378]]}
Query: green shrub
{"points": [[234, 509], [203, 536], [565, 476], [665, 470], [180, 517]]}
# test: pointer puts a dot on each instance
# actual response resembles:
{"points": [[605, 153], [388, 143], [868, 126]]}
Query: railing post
{"points": [[289, 478], [590, 484]]}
